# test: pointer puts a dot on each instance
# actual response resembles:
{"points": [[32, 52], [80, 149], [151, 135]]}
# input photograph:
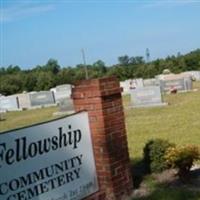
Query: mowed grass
{"points": [[179, 122], [19, 119]]}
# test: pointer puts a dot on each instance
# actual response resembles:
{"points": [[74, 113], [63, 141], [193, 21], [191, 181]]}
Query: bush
{"points": [[182, 158], [154, 155]]}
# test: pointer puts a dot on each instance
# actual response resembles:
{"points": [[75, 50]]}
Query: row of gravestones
{"points": [[166, 85], [56, 96], [148, 92]]}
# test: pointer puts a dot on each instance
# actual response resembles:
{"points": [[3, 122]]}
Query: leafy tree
{"points": [[11, 84], [123, 60], [45, 81], [14, 80], [52, 66]]}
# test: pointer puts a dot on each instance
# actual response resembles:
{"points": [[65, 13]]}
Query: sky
{"points": [[33, 31]]}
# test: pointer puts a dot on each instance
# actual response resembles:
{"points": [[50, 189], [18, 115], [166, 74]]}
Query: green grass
{"points": [[179, 122], [27, 117]]}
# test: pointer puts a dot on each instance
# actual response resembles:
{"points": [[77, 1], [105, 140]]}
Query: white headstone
{"points": [[66, 105], [178, 82], [129, 84], [136, 83], [195, 74], [151, 82], [24, 100], [9, 103], [62, 91], [146, 97], [42, 98]]}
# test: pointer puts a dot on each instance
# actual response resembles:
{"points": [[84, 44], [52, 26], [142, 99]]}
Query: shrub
{"points": [[154, 152], [182, 158]]}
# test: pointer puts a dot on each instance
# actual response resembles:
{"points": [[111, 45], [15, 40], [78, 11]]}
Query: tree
{"points": [[13, 69], [98, 68], [52, 66], [11, 84], [123, 60], [13, 79], [30, 81], [45, 81]]}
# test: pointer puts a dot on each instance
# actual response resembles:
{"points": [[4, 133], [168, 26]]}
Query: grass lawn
{"points": [[27, 117], [179, 122]]}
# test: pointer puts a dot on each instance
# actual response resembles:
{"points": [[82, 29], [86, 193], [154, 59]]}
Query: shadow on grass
{"points": [[138, 172], [163, 186], [161, 193]]}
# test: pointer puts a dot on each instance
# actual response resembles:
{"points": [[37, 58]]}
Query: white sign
{"points": [[48, 161]]}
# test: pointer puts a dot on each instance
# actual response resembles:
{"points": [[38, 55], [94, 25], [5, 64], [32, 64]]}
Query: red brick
{"points": [[101, 98]]}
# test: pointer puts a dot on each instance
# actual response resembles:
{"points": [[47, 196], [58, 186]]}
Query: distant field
{"points": [[179, 122]]}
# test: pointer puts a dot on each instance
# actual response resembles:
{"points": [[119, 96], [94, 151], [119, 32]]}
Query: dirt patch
{"points": [[170, 179]]}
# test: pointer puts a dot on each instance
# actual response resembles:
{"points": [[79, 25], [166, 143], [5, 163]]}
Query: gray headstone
{"points": [[151, 82], [188, 83], [136, 83], [42, 98], [62, 91], [181, 84], [66, 104], [23, 100], [146, 97], [195, 74], [9, 103], [129, 84]]}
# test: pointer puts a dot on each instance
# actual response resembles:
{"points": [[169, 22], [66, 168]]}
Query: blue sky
{"points": [[34, 31]]}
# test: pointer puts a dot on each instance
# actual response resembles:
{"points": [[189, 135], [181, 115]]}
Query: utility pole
{"points": [[147, 55], [84, 63]]}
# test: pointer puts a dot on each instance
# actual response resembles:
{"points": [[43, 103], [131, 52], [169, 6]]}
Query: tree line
{"points": [[13, 79]]}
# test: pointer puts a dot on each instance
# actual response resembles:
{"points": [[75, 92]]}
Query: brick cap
{"points": [[95, 81], [96, 88]]}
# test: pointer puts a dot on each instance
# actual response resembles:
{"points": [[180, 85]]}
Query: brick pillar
{"points": [[102, 99]]}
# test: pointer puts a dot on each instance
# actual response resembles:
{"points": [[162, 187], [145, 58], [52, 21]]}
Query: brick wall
{"points": [[102, 99]]}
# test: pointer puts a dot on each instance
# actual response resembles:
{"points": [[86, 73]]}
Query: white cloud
{"points": [[23, 10]]}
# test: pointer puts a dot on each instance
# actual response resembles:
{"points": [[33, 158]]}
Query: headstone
{"points": [[9, 103], [195, 75], [62, 91], [151, 82], [168, 85], [146, 97], [129, 84], [125, 85], [2, 115], [188, 83], [42, 98], [178, 82], [24, 100], [66, 105], [136, 83]]}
